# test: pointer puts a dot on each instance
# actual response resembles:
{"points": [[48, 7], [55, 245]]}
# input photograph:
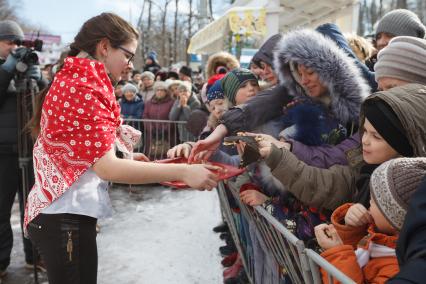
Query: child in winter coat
{"points": [[361, 242], [235, 88]]}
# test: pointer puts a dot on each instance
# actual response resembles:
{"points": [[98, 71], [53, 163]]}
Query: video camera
{"points": [[30, 57]]}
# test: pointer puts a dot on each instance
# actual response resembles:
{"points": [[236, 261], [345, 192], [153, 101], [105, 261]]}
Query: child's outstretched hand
{"points": [[327, 236], [253, 197], [357, 216]]}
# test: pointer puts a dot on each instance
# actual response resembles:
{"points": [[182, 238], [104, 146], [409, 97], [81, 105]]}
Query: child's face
{"points": [[217, 107], [247, 90], [375, 149], [382, 224], [129, 95]]}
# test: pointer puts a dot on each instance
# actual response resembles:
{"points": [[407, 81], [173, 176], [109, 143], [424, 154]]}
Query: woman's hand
{"points": [[181, 150], [253, 197], [357, 216], [199, 176], [327, 236]]}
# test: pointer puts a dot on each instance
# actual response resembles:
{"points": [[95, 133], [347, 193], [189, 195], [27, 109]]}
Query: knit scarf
{"points": [[80, 122]]}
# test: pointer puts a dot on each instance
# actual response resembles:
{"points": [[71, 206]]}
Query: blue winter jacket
{"points": [[132, 109]]}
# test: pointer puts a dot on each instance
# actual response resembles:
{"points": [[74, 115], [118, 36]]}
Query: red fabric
{"points": [[214, 78], [79, 124]]}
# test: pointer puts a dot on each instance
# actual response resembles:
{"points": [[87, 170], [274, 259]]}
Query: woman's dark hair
{"points": [[105, 25]]}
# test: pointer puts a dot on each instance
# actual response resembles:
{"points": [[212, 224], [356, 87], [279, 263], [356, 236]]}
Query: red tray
{"points": [[227, 172]]}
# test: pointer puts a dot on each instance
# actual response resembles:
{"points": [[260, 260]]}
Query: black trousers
{"points": [[67, 244], [10, 184]]}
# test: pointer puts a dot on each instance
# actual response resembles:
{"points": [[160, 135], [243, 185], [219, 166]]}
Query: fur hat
{"points": [[148, 74], [403, 58], [10, 30], [401, 22], [184, 85], [219, 59], [392, 185], [171, 82], [160, 85], [129, 87]]}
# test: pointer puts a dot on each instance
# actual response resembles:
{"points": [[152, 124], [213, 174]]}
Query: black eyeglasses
{"points": [[131, 54]]}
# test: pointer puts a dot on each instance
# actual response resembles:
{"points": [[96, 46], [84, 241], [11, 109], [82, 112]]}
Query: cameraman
{"points": [[10, 178]]}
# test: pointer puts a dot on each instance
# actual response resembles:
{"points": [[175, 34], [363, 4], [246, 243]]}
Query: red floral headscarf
{"points": [[80, 122]]}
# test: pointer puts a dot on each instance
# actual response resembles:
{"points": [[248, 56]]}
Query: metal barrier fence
{"points": [[290, 258], [158, 136], [253, 228]]}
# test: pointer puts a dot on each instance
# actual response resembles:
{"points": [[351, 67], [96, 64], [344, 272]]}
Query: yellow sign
{"points": [[248, 22]]}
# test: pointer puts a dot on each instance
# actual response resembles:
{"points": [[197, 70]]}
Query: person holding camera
{"points": [[10, 181]]}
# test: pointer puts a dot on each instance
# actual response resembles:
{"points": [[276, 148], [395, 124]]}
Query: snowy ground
{"points": [[156, 236]]}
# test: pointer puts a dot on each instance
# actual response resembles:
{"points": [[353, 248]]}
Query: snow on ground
{"points": [[156, 236], [165, 238]]}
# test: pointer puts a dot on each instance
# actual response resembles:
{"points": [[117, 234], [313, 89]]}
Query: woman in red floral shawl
{"points": [[79, 128]]}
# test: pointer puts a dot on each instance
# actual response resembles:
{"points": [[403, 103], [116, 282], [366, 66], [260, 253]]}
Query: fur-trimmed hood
{"points": [[221, 59], [347, 88]]}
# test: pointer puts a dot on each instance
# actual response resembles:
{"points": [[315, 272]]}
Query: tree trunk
{"points": [[164, 35], [401, 4], [189, 32], [175, 45], [148, 30]]}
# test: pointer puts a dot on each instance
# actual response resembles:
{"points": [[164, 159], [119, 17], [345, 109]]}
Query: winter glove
{"points": [[10, 64], [34, 72]]}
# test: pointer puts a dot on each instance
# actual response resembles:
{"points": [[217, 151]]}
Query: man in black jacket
{"points": [[10, 180]]}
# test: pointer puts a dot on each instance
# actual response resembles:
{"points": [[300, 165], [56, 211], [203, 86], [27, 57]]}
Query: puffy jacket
{"points": [[132, 109], [377, 270]]}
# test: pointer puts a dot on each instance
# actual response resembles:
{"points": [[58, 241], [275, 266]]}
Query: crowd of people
{"points": [[341, 137], [338, 122]]}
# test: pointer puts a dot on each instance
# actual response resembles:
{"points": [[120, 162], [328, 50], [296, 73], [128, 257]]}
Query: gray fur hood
{"points": [[347, 88]]}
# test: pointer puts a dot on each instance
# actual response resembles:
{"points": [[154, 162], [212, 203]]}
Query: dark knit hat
{"points": [[215, 92], [385, 121], [233, 81], [401, 22], [10, 30], [392, 185], [266, 51], [403, 58], [185, 70], [173, 75]]}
